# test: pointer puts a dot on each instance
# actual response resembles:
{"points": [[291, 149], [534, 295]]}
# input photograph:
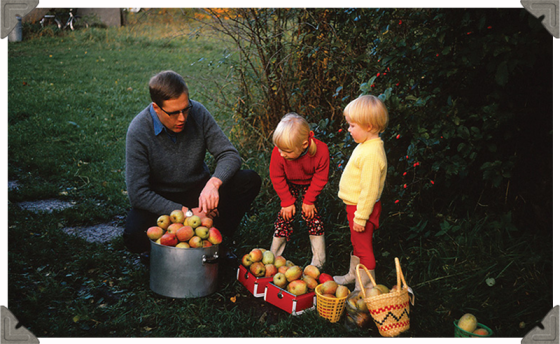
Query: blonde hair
{"points": [[368, 110], [292, 131]]}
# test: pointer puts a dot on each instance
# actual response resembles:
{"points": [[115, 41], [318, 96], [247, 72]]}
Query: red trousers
{"points": [[362, 242]]}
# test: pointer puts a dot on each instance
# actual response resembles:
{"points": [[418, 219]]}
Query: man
{"points": [[166, 145]]}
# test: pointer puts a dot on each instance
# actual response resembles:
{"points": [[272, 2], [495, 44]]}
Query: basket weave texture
{"points": [[328, 307], [390, 311]]}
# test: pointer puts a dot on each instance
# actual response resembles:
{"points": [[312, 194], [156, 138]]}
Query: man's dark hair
{"points": [[167, 85]]}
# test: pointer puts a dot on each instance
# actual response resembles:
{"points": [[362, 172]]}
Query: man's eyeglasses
{"points": [[175, 114]]}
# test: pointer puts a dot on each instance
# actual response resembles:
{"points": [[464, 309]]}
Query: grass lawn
{"points": [[70, 100]]}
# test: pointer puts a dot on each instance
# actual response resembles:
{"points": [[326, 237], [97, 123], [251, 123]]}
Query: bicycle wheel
{"points": [[80, 23]]}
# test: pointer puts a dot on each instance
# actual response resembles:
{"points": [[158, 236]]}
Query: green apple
{"points": [[280, 280], [202, 232], [177, 216], [268, 257], [163, 221], [193, 221]]}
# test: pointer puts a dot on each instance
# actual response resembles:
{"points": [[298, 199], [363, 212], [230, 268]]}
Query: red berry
{"points": [[398, 136], [431, 181], [339, 130], [400, 22], [397, 201], [404, 174], [378, 74], [404, 186]]}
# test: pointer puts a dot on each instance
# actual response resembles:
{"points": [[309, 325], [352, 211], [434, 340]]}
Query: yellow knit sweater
{"points": [[363, 178]]}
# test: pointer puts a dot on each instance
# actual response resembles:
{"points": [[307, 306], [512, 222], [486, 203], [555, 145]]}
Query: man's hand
{"points": [[288, 212], [209, 197], [308, 210]]}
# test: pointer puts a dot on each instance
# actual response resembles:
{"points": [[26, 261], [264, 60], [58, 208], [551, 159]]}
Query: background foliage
{"points": [[468, 201]]}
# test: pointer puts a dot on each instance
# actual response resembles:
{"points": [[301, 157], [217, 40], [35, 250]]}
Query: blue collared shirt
{"points": [[159, 127]]}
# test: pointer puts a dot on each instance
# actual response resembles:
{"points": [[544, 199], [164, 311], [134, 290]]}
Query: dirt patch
{"points": [[96, 234], [46, 205]]}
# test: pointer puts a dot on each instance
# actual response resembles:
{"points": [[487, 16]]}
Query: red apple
{"points": [[279, 261], [297, 287], [257, 269], [184, 233], [169, 239], [270, 270], [256, 255], [154, 232], [329, 287], [195, 242], [206, 243], [310, 281], [312, 271], [206, 222], [174, 227], [325, 277], [246, 260], [283, 269], [214, 236]]}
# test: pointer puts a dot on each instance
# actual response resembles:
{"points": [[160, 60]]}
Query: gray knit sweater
{"points": [[157, 164]]}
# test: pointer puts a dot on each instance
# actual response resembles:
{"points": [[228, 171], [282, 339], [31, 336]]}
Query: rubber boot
{"points": [[366, 281], [318, 249], [350, 277], [278, 245]]}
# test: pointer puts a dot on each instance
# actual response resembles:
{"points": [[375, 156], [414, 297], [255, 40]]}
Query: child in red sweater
{"points": [[299, 165]]}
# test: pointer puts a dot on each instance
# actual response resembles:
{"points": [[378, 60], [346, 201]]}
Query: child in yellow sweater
{"points": [[362, 182]]}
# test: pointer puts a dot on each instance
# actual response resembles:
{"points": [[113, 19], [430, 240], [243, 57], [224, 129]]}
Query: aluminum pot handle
{"points": [[211, 260]]}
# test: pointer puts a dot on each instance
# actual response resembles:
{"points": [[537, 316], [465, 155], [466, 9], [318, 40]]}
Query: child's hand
{"points": [[358, 228], [288, 212], [308, 210]]}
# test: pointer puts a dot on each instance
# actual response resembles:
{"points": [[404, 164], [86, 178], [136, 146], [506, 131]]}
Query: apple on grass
{"points": [[202, 232], [246, 260], [154, 232], [177, 216], [169, 239], [214, 236], [163, 221], [257, 269], [184, 233], [280, 280]]}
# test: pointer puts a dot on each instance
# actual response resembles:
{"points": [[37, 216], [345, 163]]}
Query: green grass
{"points": [[71, 96]]}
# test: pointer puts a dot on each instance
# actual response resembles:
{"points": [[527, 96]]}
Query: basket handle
{"points": [[400, 276], [358, 267]]}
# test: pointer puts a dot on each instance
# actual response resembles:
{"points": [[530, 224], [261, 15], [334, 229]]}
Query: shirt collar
{"points": [[159, 127]]}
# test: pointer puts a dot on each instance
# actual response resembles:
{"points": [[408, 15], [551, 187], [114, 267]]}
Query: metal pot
{"points": [[183, 272]]}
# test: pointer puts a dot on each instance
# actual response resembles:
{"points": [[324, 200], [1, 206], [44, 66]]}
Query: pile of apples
{"points": [[178, 230], [285, 274]]}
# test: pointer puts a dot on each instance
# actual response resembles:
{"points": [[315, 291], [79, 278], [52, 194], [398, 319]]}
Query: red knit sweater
{"points": [[306, 170]]}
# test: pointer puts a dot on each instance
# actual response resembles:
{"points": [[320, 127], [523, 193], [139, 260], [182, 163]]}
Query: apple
{"points": [[206, 243], [169, 239], [279, 261], [185, 233], [193, 221], [352, 302], [297, 287], [362, 305], [163, 221], [270, 270], [480, 332], [312, 271], [206, 222], [293, 273], [183, 244], [384, 289], [371, 292], [174, 227], [214, 236], [256, 255], [325, 277], [283, 269], [158, 241], [246, 260], [330, 296], [195, 242], [310, 281], [177, 216], [268, 257], [202, 232], [262, 249], [342, 291], [289, 263], [154, 232], [257, 269], [329, 287], [280, 280]]}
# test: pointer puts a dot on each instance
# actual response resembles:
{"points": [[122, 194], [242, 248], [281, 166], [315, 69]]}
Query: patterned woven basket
{"points": [[390, 311]]}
